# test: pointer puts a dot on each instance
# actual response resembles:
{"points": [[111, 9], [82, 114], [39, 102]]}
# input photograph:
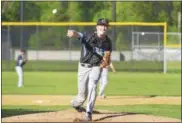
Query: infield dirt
{"points": [[98, 116]]}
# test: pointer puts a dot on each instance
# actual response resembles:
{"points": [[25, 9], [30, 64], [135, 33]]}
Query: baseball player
{"points": [[95, 55], [20, 62], [104, 80]]}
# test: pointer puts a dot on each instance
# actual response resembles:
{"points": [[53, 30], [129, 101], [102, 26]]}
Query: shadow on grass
{"points": [[15, 112]]}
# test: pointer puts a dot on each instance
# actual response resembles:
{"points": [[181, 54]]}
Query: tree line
{"points": [[90, 11]]}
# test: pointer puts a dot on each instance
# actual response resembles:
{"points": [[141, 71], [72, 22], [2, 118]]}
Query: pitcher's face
{"points": [[101, 29], [22, 53]]}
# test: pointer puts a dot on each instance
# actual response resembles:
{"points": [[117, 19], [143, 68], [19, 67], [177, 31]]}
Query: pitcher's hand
{"points": [[73, 33]]}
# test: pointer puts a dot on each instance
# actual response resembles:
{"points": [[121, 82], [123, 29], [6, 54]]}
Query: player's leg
{"points": [[20, 76], [92, 90], [103, 82], [83, 76], [16, 68], [100, 82]]}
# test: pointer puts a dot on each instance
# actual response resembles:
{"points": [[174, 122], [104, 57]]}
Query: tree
{"points": [[11, 13], [50, 38], [91, 11], [126, 12], [6, 5], [103, 12], [177, 8], [46, 11], [74, 11]]}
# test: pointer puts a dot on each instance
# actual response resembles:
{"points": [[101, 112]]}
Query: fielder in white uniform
{"points": [[104, 80], [20, 62]]}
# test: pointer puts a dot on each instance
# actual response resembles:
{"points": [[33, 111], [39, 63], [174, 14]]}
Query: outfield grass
{"points": [[132, 66], [173, 67], [121, 83], [173, 111]]}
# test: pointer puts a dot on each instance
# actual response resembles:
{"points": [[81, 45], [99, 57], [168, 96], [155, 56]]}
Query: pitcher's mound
{"points": [[98, 116]]}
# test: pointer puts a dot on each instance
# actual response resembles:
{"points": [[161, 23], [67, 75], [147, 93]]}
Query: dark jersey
{"points": [[20, 61], [93, 49]]}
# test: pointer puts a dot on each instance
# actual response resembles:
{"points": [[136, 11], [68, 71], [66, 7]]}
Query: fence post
{"points": [[21, 20], [37, 46], [9, 52], [164, 49], [114, 20]]}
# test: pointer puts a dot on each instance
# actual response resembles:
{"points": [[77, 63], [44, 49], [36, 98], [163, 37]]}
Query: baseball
{"points": [[143, 33], [54, 11]]}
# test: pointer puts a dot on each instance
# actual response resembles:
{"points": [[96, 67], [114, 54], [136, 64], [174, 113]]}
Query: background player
{"points": [[104, 80], [20, 62]]}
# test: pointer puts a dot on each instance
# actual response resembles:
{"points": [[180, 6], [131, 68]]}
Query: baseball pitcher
{"points": [[95, 55]]}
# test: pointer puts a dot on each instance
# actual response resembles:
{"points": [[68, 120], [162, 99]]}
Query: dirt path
{"points": [[99, 116], [65, 100], [102, 116]]}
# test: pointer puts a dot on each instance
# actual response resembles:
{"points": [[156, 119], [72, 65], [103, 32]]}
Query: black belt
{"points": [[86, 65]]}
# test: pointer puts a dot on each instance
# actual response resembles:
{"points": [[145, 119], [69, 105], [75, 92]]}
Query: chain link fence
{"points": [[136, 48]]}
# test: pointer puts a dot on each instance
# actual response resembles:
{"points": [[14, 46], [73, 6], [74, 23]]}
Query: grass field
{"points": [[120, 83], [122, 66]]}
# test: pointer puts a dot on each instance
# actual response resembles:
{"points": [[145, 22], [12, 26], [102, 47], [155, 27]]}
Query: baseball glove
{"points": [[106, 59]]}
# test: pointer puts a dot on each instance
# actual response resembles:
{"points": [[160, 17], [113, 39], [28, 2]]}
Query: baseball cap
{"points": [[103, 21], [22, 50]]}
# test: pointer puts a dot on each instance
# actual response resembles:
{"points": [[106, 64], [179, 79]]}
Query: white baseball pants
{"points": [[87, 86], [103, 81], [19, 71]]}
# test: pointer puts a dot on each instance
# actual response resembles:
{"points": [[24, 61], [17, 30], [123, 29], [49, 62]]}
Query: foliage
{"points": [[48, 38], [69, 11], [148, 11], [121, 43]]}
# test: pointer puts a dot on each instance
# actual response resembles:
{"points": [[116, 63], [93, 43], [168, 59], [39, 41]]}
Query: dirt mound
{"points": [[98, 116]]}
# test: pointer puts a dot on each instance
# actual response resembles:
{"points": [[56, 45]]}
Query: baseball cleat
{"points": [[79, 109], [88, 116]]}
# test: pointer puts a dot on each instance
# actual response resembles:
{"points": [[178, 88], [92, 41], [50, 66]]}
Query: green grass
{"points": [[42, 65], [121, 83], [147, 66], [174, 67], [173, 111], [20, 110]]}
